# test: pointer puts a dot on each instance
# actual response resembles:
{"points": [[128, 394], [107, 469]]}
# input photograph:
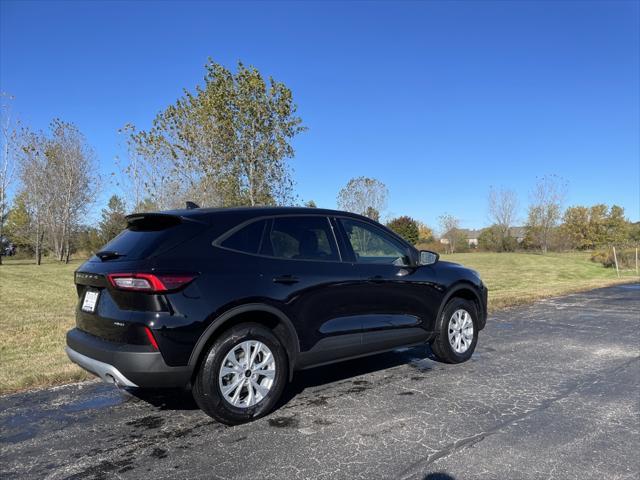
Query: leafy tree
{"points": [[364, 196], [113, 219], [617, 226], [492, 239], [595, 226], [406, 227], [18, 224], [310, 204], [634, 233], [425, 234], [227, 143], [578, 227], [89, 239]]}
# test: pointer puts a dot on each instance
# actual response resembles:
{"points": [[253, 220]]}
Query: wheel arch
{"points": [[468, 291], [264, 314]]}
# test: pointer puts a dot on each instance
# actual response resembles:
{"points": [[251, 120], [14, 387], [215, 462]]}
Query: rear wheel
{"points": [[457, 332], [242, 375]]}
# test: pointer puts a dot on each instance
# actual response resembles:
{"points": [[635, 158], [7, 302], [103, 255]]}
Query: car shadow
{"points": [[181, 399], [165, 398], [318, 376]]}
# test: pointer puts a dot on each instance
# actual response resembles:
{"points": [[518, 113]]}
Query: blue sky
{"points": [[439, 100]]}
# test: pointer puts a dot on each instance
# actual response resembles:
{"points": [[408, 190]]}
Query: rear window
{"points": [[247, 239], [148, 236]]}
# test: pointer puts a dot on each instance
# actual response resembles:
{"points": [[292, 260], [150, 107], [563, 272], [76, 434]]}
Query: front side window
{"points": [[301, 238], [371, 245]]}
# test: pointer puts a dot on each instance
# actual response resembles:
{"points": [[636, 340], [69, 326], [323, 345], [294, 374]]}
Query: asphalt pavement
{"points": [[552, 391]]}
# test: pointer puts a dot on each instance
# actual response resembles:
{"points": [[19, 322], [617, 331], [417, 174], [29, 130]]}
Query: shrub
{"points": [[406, 227], [626, 258]]}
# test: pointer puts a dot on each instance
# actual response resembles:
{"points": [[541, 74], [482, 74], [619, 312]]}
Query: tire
{"points": [[454, 350], [256, 391]]}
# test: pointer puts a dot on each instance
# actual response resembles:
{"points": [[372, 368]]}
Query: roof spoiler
{"points": [[152, 220]]}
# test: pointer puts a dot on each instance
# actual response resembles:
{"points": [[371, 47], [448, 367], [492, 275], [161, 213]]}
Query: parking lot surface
{"points": [[553, 391]]}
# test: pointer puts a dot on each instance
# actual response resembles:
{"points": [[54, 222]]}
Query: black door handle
{"points": [[376, 279], [286, 279]]}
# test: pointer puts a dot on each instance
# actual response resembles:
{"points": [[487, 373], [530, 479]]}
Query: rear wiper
{"points": [[109, 255]]}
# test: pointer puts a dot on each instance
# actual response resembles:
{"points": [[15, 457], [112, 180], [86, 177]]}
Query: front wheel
{"points": [[457, 332], [242, 376]]}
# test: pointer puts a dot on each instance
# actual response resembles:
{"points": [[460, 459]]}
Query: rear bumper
{"points": [[125, 364]]}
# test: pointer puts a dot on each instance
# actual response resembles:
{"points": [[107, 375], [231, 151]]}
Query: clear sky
{"points": [[439, 100]]}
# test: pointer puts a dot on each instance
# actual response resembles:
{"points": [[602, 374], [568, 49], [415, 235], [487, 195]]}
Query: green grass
{"points": [[37, 305], [36, 310], [519, 278]]}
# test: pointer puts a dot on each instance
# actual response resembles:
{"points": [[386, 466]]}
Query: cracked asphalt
{"points": [[553, 391]]}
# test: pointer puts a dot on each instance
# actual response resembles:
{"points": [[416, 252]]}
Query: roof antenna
{"points": [[191, 205]]}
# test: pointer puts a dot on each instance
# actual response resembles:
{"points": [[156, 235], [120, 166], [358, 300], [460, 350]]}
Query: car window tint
{"points": [[301, 238], [371, 245], [247, 239], [146, 239]]}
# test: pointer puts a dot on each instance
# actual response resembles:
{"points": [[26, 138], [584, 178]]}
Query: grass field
{"points": [[37, 304]]}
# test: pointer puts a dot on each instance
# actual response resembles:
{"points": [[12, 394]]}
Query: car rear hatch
{"points": [[119, 314]]}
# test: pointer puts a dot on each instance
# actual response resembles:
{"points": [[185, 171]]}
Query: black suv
{"points": [[232, 301]]}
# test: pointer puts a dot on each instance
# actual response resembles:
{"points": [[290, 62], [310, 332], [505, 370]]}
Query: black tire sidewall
{"points": [[208, 394], [450, 308]]}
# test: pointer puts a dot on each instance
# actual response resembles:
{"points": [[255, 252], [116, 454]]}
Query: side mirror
{"points": [[428, 257]]}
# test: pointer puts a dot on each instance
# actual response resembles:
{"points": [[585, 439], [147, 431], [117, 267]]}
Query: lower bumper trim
{"points": [[106, 372]]}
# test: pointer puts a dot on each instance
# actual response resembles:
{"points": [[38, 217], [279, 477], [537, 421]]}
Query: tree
{"points": [[450, 228], [34, 175], [406, 227], [227, 143], [595, 226], [57, 178], [113, 219], [364, 196], [8, 132], [89, 239], [425, 234], [492, 239], [18, 224], [617, 226], [545, 210], [578, 227], [72, 184], [310, 204], [503, 209]]}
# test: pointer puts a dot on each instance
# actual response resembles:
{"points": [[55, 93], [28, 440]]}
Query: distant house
{"points": [[471, 237]]}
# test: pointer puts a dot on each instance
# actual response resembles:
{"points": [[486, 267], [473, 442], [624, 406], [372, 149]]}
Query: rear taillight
{"points": [[149, 282]]}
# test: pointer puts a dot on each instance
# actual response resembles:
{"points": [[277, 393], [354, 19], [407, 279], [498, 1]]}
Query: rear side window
{"points": [[301, 238], [247, 239], [150, 236]]}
